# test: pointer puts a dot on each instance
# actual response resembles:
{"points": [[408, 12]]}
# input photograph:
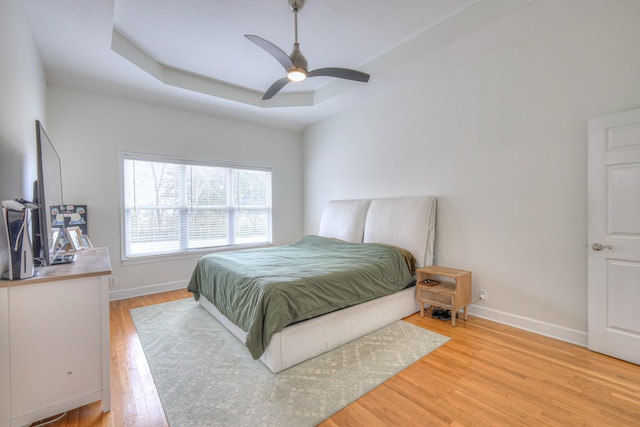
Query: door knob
{"points": [[599, 247]]}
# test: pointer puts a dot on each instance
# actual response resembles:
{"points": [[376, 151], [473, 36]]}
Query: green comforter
{"points": [[264, 290]]}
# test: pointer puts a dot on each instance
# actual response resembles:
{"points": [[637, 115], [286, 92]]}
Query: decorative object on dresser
{"points": [[72, 224], [73, 235], [16, 217], [451, 295], [65, 216], [86, 243], [54, 340]]}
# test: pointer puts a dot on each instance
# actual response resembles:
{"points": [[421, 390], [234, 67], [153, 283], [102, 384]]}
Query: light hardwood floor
{"points": [[487, 375]]}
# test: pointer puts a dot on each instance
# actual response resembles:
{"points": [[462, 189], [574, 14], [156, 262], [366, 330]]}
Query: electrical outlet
{"points": [[113, 281], [483, 294]]}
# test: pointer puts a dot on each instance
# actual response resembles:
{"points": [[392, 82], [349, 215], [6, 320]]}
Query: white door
{"points": [[614, 235]]}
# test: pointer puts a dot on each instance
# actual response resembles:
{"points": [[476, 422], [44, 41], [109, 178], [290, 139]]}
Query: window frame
{"points": [[189, 253]]}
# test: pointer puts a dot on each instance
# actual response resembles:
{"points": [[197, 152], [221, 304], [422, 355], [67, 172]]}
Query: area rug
{"points": [[206, 377]]}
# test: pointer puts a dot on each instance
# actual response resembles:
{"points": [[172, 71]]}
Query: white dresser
{"points": [[54, 340]]}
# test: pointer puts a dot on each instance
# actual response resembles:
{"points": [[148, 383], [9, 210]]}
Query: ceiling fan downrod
{"points": [[298, 72]]}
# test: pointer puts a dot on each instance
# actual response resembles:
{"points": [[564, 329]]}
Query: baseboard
{"points": [[536, 326], [572, 336], [147, 290]]}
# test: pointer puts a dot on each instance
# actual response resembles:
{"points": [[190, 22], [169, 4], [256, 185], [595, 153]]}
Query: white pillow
{"points": [[408, 222], [344, 220]]}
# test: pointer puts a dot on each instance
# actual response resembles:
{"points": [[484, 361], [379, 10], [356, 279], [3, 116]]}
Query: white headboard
{"points": [[408, 222], [344, 220]]}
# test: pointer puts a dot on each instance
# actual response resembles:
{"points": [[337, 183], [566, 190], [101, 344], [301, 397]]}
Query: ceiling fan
{"points": [[296, 64]]}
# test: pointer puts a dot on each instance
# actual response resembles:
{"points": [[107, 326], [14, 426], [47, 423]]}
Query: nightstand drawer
{"points": [[433, 297]]}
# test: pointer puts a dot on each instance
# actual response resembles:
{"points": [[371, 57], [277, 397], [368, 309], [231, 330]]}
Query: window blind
{"points": [[178, 205]]}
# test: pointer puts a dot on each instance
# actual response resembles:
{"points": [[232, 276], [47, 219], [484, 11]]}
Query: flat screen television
{"points": [[47, 193]]}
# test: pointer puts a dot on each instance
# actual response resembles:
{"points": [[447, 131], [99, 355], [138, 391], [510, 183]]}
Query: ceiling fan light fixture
{"points": [[297, 74]]}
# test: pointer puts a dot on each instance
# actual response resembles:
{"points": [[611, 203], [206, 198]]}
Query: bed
{"points": [[320, 306]]}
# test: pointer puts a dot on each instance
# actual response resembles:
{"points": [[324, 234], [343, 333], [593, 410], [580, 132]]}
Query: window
{"points": [[174, 205]]}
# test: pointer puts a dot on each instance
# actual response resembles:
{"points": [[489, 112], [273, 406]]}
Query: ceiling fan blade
{"points": [[341, 73], [275, 88], [272, 50]]}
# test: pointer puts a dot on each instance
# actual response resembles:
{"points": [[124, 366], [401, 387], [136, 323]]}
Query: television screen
{"points": [[48, 190]]}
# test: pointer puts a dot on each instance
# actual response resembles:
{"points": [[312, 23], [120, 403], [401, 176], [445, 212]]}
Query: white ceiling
{"points": [[193, 54]]}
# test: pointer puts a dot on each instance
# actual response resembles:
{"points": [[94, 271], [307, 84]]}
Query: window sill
{"points": [[188, 255]]}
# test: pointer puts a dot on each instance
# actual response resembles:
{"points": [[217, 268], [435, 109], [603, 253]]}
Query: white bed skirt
{"points": [[305, 340]]}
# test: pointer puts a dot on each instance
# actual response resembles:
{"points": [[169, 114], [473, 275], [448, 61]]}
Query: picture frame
{"points": [[73, 236], [54, 237], [86, 243]]}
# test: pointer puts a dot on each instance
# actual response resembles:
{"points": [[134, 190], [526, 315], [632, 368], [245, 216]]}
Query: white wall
{"points": [[502, 142], [22, 101], [90, 130]]}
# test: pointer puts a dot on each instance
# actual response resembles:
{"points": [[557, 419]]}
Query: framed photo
{"points": [[73, 236], [54, 236], [86, 243]]}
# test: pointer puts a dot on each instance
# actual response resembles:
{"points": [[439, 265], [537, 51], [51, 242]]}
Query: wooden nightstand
{"points": [[452, 295]]}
